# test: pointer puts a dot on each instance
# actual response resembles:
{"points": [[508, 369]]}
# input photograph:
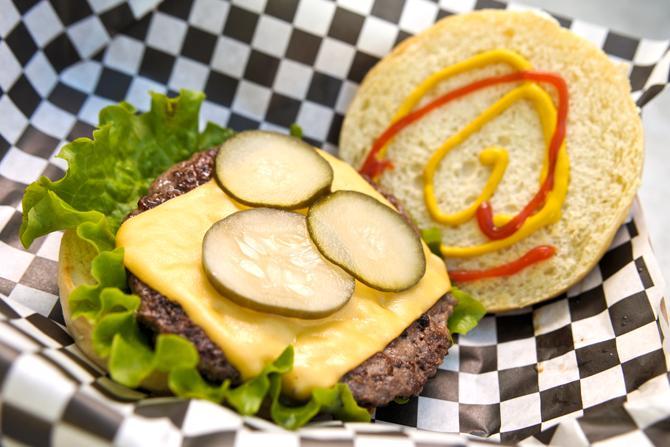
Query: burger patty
{"points": [[400, 370]]}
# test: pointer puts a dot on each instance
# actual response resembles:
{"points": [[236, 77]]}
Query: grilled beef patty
{"points": [[400, 370]]}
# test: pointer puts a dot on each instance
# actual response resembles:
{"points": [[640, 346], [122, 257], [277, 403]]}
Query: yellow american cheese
{"points": [[163, 247]]}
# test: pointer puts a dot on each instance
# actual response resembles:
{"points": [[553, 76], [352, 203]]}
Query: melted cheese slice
{"points": [[163, 247]]}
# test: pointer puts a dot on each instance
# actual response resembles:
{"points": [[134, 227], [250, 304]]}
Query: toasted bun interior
{"points": [[604, 144]]}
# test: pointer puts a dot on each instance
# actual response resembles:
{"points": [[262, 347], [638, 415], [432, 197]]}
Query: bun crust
{"points": [[604, 144]]}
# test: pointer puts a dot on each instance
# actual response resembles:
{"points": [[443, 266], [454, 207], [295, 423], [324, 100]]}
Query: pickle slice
{"points": [[367, 239], [264, 259], [260, 168]]}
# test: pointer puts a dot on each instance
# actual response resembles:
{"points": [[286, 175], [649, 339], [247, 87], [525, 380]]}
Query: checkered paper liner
{"points": [[588, 367]]}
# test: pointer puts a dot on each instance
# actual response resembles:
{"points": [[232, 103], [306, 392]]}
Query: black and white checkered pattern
{"points": [[596, 353]]}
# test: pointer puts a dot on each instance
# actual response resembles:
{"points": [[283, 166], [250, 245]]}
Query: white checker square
{"points": [[82, 76], [362, 7], [334, 58], [138, 93], [15, 338], [214, 113], [520, 412], [209, 15], [166, 33], [32, 376], [41, 74], [517, 353], [103, 5], [622, 284], [451, 361], [437, 414], [595, 34], [272, 127], [136, 431], [314, 16], [141, 7], [633, 438], [271, 36], [557, 371], [347, 93], [9, 17], [551, 317], [484, 334], [478, 388], [292, 79], [89, 111], [603, 386], [21, 167], [592, 279], [50, 247], [592, 330], [66, 434], [377, 36], [6, 213], [418, 15], [569, 433], [11, 68], [21, 260], [457, 5], [650, 51], [205, 417], [230, 57], [37, 300], [638, 342], [88, 35], [315, 120], [42, 23], [124, 54], [55, 160], [52, 120], [252, 5], [188, 74], [251, 100]]}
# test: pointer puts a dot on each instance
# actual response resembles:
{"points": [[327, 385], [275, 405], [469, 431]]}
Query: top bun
{"points": [[604, 145]]}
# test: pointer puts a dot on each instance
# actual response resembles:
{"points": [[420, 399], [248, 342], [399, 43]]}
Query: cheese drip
{"points": [[325, 349]]}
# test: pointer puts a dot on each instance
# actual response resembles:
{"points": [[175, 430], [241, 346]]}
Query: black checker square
{"points": [[642, 368], [478, 419], [477, 359], [282, 110], [515, 436], [490, 4], [67, 98], [303, 47], [21, 43], [324, 89], [35, 142], [91, 414], [390, 10], [616, 259], [25, 5], [642, 270], [658, 431], [15, 420], [443, 386], [619, 45], [402, 35], [639, 75], [240, 123], [71, 11], [517, 382], [113, 84], [217, 438], [284, 9], [403, 414], [117, 18], [6, 286], [588, 304], [139, 28], [360, 66], [261, 68], [4, 146], [61, 52], [631, 313], [175, 410], [561, 400], [24, 96], [333, 136], [53, 172], [596, 358], [11, 192], [42, 274], [240, 24], [346, 25], [157, 65], [221, 88], [79, 130], [180, 9], [199, 45], [514, 327], [611, 421], [554, 343]]}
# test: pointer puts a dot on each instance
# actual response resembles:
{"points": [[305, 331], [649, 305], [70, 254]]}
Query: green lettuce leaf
{"points": [[467, 312], [106, 176]]}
